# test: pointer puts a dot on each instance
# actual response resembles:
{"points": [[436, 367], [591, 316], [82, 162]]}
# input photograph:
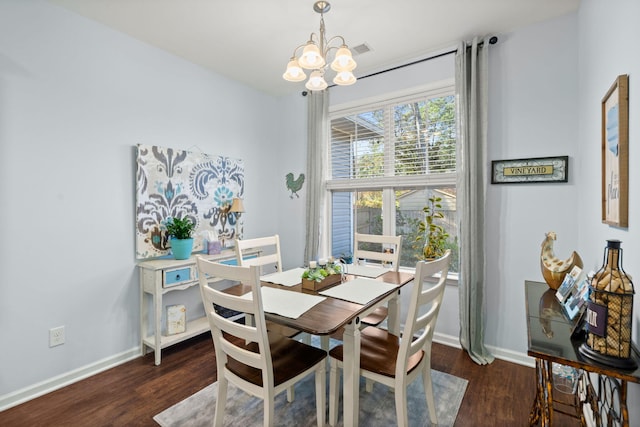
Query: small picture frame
{"points": [[530, 171], [176, 319], [615, 153]]}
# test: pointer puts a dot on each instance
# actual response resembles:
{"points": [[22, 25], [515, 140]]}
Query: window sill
{"points": [[452, 278]]}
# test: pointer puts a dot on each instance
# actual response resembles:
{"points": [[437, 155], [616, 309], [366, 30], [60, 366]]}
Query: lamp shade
{"points": [[237, 205], [311, 57], [343, 60], [316, 81], [294, 72], [344, 78]]}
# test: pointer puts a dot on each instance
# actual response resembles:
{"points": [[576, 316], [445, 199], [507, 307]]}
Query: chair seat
{"points": [[378, 352], [375, 318], [290, 358]]}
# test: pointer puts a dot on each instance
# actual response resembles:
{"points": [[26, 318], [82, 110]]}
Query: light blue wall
{"points": [[533, 90], [75, 99], [607, 45]]}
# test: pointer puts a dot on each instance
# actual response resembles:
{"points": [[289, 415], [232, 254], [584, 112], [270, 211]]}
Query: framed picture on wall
{"points": [[530, 171], [615, 153]]}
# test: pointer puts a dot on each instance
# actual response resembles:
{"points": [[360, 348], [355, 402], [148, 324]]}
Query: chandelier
{"points": [[315, 55]]}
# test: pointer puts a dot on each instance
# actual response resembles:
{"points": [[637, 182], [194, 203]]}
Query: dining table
{"points": [[331, 315]]}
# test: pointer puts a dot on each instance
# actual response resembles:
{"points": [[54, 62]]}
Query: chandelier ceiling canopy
{"points": [[315, 55]]}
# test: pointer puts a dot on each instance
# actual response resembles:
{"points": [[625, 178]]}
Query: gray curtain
{"points": [[471, 94], [317, 125]]}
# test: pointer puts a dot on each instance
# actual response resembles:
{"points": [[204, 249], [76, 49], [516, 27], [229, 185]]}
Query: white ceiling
{"points": [[252, 40]]}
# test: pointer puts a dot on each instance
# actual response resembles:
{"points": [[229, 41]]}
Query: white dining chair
{"points": [[387, 254], [397, 361], [269, 254], [258, 362]]}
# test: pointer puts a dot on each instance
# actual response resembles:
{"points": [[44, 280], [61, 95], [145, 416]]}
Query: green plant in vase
{"points": [[346, 257], [180, 228], [434, 235], [181, 231]]}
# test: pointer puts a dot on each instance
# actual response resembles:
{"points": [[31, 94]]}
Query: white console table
{"points": [[160, 276]]}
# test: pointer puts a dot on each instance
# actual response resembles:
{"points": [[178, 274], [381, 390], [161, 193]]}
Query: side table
{"points": [[553, 338]]}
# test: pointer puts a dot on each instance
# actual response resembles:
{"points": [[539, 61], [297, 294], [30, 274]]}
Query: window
{"points": [[386, 160]]}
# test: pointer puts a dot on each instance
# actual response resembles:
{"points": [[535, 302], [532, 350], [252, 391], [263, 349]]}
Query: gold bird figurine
{"points": [[553, 268]]}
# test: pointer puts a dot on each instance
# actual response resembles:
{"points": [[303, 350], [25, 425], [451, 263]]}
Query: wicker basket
{"points": [[312, 285]]}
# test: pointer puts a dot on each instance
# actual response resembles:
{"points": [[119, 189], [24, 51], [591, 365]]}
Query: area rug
{"points": [[376, 408]]}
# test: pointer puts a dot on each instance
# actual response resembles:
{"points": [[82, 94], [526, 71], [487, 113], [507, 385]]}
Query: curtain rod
{"points": [[492, 40]]}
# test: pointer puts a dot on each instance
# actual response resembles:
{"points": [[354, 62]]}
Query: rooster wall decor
{"points": [[294, 185]]}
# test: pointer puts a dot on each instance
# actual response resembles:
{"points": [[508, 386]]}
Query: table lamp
{"points": [[237, 208]]}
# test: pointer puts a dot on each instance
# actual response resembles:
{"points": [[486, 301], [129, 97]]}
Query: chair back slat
{"points": [[230, 327], [388, 242], [423, 308], [262, 260], [269, 245], [233, 302], [377, 256], [241, 355]]}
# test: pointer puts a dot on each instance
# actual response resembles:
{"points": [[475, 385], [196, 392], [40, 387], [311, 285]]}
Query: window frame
{"points": [[388, 184]]}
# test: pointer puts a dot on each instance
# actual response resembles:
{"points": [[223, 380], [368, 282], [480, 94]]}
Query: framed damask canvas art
{"points": [[615, 153], [179, 183]]}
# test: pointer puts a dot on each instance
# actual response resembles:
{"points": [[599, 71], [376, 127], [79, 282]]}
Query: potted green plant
{"points": [[434, 235], [346, 257], [181, 232]]}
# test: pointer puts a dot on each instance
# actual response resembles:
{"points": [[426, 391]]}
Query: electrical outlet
{"points": [[56, 336]]}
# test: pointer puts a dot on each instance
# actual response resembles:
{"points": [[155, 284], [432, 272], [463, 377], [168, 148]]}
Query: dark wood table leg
{"points": [[536, 408]]}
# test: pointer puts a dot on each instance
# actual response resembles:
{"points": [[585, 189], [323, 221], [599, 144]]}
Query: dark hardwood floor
{"points": [[499, 394]]}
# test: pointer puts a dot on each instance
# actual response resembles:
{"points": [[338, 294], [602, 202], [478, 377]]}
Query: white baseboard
{"points": [[512, 356], [499, 353], [31, 392], [445, 339]]}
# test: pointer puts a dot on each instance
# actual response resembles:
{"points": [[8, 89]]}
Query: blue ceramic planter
{"points": [[181, 248]]}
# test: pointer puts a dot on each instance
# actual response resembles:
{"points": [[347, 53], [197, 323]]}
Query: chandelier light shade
{"points": [[344, 78], [314, 55], [316, 81], [311, 57], [343, 60], [294, 72]]}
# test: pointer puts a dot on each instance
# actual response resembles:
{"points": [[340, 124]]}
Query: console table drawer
{"points": [[177, 277]]}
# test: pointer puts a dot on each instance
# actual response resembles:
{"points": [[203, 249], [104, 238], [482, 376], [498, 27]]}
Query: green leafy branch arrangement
{"points": [[433, 234]]}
